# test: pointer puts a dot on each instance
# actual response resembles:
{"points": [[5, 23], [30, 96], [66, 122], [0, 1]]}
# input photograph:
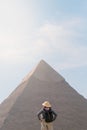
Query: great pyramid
{"points": [[18, 111]]}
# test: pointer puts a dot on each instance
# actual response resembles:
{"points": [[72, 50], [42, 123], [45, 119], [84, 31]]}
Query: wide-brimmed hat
{"points": [[46, 104]]}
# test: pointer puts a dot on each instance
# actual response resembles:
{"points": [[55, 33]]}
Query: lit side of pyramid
{"points": [[18, 111]]}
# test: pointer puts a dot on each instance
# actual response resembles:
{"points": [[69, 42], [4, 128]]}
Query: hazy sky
{"points": [[53, 30]]}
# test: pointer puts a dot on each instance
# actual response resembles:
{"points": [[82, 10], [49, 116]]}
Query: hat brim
{"points": [[46, 105]]}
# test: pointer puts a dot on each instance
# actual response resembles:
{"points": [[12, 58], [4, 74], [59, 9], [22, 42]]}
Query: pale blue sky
{"points": [[53, 30]]}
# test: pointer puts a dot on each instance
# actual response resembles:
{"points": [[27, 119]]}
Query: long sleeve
{"points": [[39, 114], [54, 115]]}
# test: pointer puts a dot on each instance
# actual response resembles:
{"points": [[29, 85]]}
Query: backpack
{"points": [[48, 116]]}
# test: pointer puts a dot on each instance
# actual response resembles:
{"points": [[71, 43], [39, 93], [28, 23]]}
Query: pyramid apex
{"points": [[42, 61], [44, 72]]}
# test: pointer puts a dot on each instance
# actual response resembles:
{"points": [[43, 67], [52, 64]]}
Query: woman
{"points": [[46, 115]]}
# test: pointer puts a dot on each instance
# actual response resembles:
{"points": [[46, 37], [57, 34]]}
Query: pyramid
{"points": [[19, 110]]}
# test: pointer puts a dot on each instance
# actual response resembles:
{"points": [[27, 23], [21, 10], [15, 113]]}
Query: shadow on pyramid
{"points": [[18, 111]]}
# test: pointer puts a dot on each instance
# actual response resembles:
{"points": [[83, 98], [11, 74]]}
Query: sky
{"points": [[52, 30]]}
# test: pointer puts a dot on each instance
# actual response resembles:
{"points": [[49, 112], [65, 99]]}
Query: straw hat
{"points": [[46, 104]]}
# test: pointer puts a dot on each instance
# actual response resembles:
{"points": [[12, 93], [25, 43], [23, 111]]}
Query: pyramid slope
{"points": [[70, 106], [6, 106]]}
